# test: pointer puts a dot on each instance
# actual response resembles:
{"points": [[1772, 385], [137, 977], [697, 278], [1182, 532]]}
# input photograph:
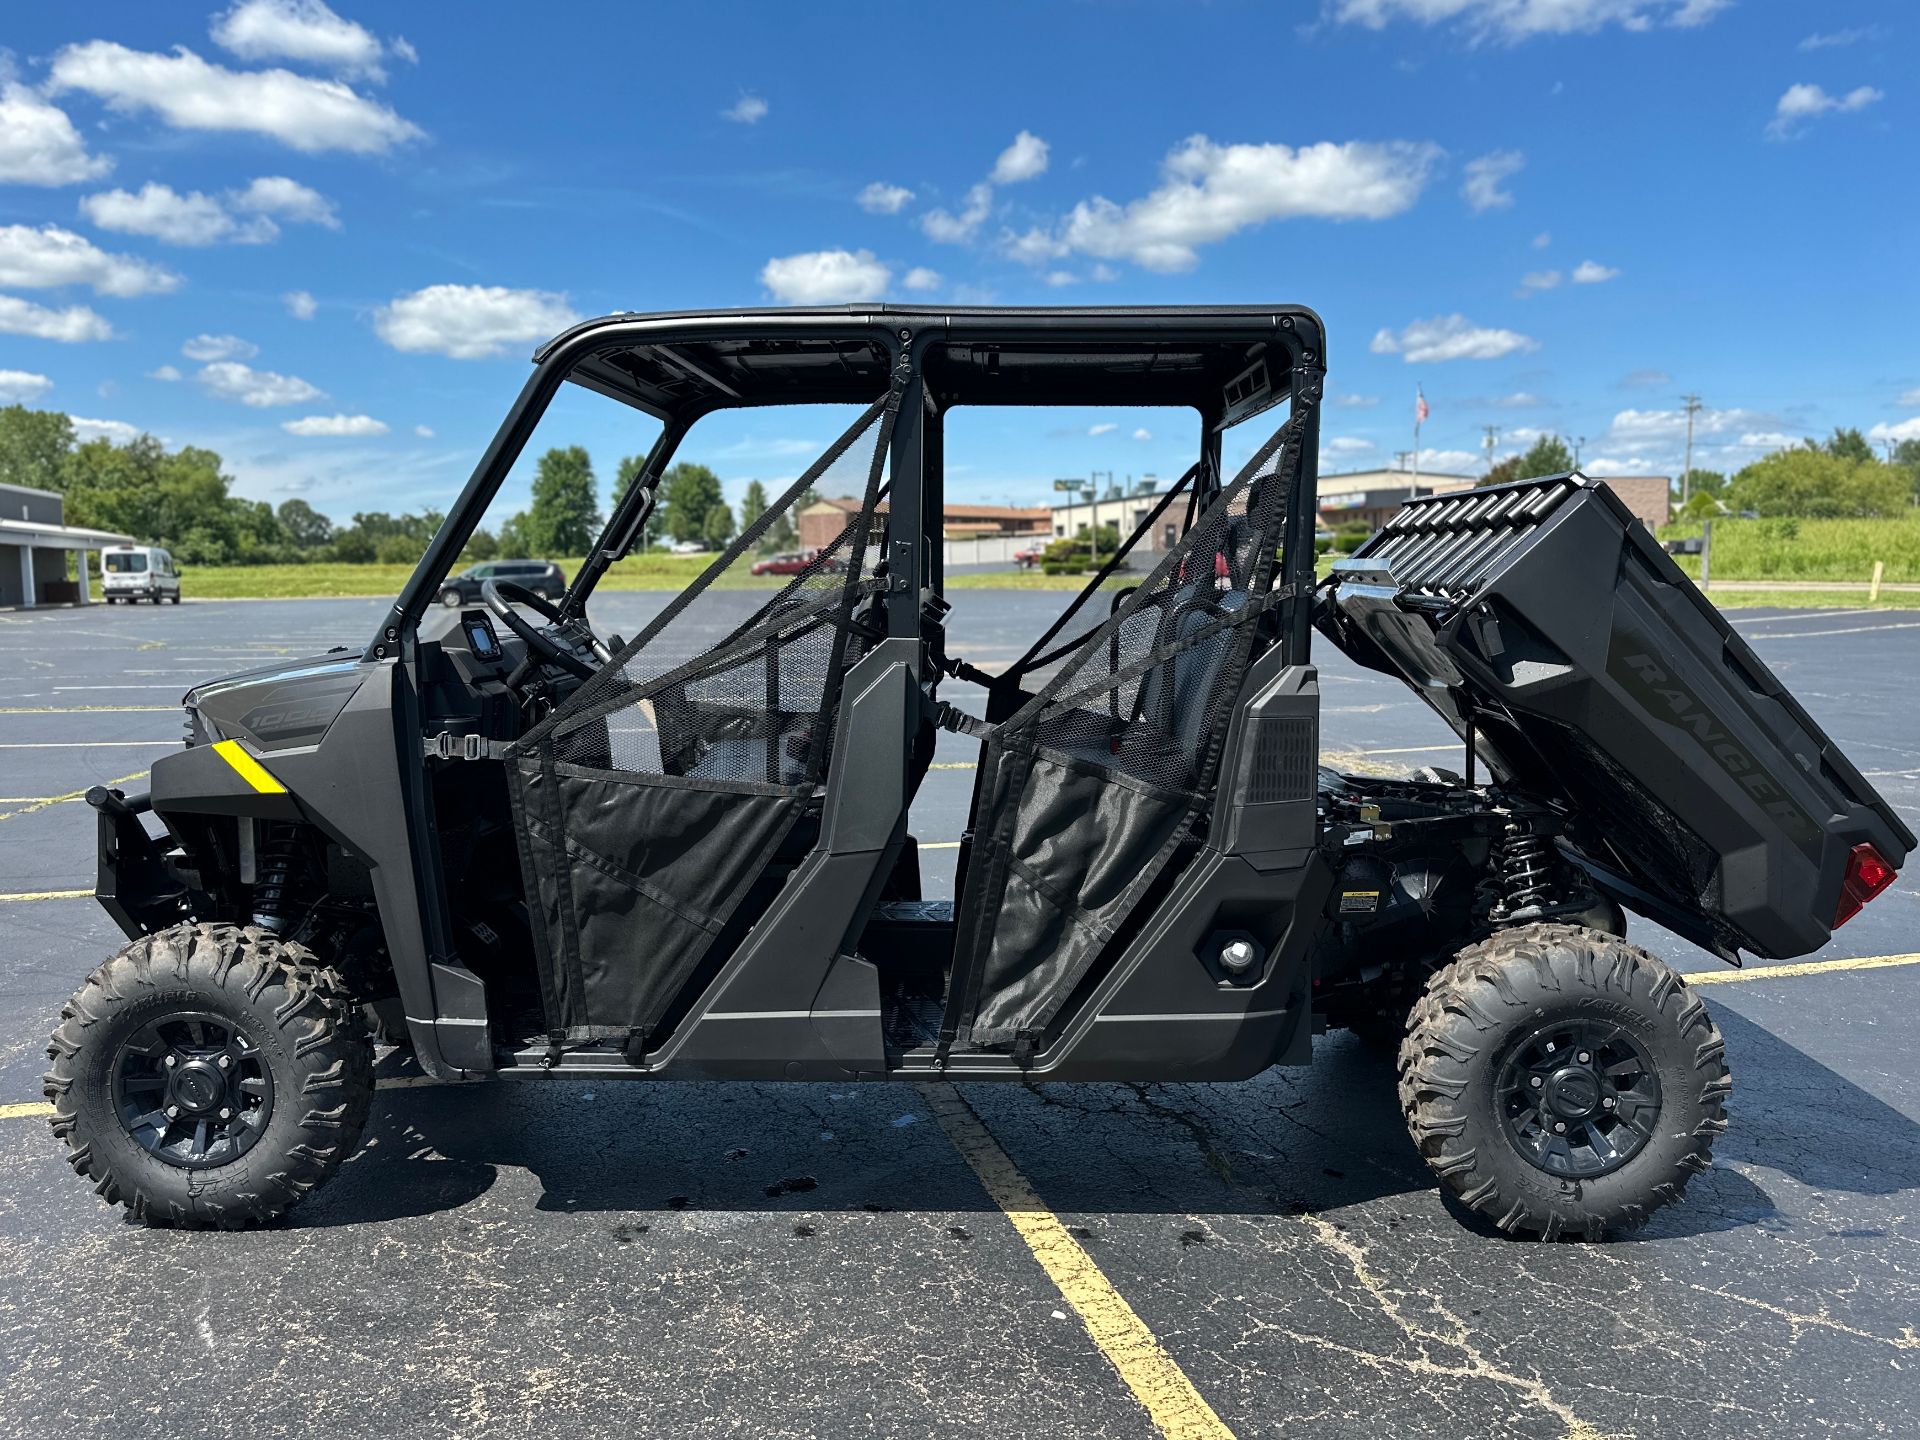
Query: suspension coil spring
{"points": [[284, 866], [1526, 870]]}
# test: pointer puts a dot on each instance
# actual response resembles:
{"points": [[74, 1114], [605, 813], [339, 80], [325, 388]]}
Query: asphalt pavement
{"points": [[802, 1260]]}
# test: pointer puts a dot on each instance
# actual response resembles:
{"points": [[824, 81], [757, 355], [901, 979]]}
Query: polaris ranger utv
{"points": [[530, 852]]}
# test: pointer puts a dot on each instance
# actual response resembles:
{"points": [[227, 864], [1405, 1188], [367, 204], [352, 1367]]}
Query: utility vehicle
{"points": [[132, 573], [529, 851]]}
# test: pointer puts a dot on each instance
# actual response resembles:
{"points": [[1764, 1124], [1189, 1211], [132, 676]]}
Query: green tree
{"points": [[1906, 456], [306, 527], [1849, 444], [480, 546], [717, 529], [687, 493], [565, 514], [34, 445], [1700, 482], [1818, 484], [513, 540], [752, 506], [1506, 470], [1701, 505], [623, 476], [1548, 455]]}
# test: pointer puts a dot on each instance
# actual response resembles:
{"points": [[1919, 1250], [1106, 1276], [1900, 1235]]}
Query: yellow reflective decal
{"points": [[248, 768]]}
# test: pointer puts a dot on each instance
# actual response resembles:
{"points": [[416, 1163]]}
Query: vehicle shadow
{"points": [[1290, 1141]]}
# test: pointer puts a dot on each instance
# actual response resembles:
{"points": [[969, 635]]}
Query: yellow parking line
{"points": [[1176, 1408], [46, 895], [952, 765], [42, 802], [80, 709], [1803, 967], [22, 1111]]}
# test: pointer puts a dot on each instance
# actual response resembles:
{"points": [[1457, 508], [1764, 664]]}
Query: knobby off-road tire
{"points": [[1479, 1024], [306, 1049]]}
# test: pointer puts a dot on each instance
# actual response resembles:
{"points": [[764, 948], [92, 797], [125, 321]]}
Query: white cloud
{"points": [[198, 219], [1356, 402], [335, 425], [230, 380], [1534, 281], [425, 432], [949, 229], [219, 347], [1911, 397], [286, 199], [880, 198], [1837, 38], [1638, 429], [921, 278], [747, 110], [1802, 103], [1348, 445], [69, 326], [50, 256], [18, 387], [826, 277], [1443, 462], [1520, 400], [191, 94], [1515, 20], [166, 373], [295, 30], [1059, 278], [38, 144], [1768, 440], [1543, 239], [1484, 176], [1449, 337], [119, 432], [1025, 158], [1209, 192], [1105, 428], [1142, 434], [1900, 430], [471, 322], [1103, 273], [1591, 272], [1605, 465], [300, 304], [1035, 246]]}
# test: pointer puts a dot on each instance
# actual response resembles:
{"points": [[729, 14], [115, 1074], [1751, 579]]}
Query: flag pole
{"points": [[1420, 404]]}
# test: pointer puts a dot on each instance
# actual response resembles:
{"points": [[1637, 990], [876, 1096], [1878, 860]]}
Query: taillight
{"points": [[1867, 876]]}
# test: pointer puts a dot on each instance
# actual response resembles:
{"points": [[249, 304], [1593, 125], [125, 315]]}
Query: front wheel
{"points": [[450, 598], [209, 1075], [1561, 1081]]}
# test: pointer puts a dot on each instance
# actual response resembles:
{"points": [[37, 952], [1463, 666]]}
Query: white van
{"points": [[138, 572]]}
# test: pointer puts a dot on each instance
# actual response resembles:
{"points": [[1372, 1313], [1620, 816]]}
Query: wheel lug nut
{"points": [[225, 1114], [173, 1112], [1608, 1102], [1538, 1082], [172, 1060], [1584, 1057], [226, 1060], [1559, 1127]]}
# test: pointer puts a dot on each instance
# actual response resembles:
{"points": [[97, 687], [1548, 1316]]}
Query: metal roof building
{"points": [[35, 541]]}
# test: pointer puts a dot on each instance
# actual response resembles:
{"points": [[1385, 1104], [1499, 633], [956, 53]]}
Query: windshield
{"points": [[124, 564]]}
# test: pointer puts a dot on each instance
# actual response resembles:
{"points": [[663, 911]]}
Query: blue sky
{"points": [[324, 241]]}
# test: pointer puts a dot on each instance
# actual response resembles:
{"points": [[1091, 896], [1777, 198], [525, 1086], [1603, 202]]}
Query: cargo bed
{"points": [[1542, 620]]}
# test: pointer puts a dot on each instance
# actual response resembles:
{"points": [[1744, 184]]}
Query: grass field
{"points": [[1807, 549]]}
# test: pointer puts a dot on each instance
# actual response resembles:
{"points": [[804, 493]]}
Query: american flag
{"points": [[1420, 411]]}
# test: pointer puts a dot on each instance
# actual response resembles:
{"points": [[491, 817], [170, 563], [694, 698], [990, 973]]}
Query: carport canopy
{"points": [[24, 537]]}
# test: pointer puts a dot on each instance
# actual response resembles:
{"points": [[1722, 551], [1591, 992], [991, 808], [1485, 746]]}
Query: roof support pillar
{"points": [[27, 597], [80, 559]]}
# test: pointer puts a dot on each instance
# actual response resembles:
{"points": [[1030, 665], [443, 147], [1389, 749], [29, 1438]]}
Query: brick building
{"points": [[821, 521]]}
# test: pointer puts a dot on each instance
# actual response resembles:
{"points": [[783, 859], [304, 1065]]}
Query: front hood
{"points": [[291, 702]]}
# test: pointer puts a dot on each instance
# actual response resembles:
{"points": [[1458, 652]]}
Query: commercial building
{"points": [[821, 521], [1368, 497], [35, 542]]}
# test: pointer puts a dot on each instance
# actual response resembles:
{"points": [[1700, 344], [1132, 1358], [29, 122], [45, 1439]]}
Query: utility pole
{"points": [[1686, 475], [1493, 438], [1400, 458], [1578, 441]]}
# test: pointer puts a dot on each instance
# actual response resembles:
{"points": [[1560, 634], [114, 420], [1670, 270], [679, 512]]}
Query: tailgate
{"points": [[1545, 619]]}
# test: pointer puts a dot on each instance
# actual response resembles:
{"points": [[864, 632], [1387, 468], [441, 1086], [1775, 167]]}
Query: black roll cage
{"points": [[682, 366]]}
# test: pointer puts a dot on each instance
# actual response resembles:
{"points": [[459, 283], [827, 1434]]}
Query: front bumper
{"points": [[133, 882]]}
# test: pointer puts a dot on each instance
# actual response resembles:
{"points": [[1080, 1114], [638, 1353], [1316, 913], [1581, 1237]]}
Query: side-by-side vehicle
{"points": [[527, 850]]}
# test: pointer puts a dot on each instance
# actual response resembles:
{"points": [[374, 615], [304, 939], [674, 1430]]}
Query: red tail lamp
{"points": [[1867, 875]]}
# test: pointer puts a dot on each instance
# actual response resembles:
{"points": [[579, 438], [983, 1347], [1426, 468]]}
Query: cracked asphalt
{"points": [[789, 1260]]}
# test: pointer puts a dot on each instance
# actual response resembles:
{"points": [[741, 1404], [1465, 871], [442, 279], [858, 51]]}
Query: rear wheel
{"points": [[450, 598], [1561, 1081], [209, 1075]]}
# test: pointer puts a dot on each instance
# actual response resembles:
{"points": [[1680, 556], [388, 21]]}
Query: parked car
{"points": [[790, 563], [1028, 558], [132, 573], [542, 577]]}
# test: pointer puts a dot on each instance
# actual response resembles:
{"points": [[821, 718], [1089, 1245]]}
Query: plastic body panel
{"points": [[1545, 619]]}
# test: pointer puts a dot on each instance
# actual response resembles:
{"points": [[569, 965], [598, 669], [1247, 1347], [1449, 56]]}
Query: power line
{"points": [[1493, 438], [1686, 474]]}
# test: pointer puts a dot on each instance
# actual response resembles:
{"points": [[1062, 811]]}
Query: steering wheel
{"points": [[500, 596]]}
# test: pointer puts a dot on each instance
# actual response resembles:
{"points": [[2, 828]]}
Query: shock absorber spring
{"points": [[285, 865], [1526, 869]]}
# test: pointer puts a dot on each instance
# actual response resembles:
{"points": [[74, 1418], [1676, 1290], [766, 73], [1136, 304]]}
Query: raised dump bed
{"points": [[1544, 622]]}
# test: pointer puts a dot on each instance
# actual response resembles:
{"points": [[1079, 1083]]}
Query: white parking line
{"points": [[1849, 630]]}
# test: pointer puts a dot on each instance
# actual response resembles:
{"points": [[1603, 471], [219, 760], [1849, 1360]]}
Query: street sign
{"points": [[1068, 484]]}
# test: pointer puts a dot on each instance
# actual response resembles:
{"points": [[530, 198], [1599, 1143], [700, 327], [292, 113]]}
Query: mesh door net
{"points": [[1088, 787], [651, 801]]}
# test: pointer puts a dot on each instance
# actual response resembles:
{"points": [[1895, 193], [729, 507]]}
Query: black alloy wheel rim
{"points": [[192, 1089], [1578, 1098]]}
